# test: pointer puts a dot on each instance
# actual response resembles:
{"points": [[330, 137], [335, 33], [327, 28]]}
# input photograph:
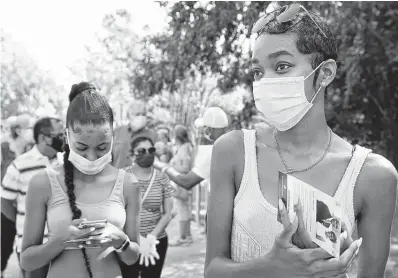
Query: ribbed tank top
{"points": [[255, 225], [70, 263]]}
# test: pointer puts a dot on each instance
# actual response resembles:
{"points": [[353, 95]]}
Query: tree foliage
{"points": [[24, 87], [362, 103]]}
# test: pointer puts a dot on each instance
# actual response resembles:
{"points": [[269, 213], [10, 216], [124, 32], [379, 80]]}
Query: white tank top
{"points": [[255, 225]]}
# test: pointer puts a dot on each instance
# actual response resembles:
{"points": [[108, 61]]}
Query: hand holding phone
{"points": [[89, 242], [97, 224]]}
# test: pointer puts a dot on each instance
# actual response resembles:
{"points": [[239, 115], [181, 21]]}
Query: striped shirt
{"points": [[15, 184], [152, 208]]}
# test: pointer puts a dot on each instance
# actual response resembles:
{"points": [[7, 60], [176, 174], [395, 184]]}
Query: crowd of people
{"points": [[84, 199]]}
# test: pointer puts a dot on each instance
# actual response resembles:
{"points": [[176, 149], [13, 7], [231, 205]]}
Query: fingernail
{"points": [[88, 242], [359, 242], [345, 235], [280, 204], [356, 252], [92, 229]]}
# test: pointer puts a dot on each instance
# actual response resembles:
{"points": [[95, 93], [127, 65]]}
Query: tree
{"points": [[24, 87], [213, 37]]}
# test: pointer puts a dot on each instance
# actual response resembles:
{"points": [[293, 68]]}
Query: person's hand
{"points": [[148, 250], [158, 164], [116, 235], [307, 262], [73, 232], [302, 238]]}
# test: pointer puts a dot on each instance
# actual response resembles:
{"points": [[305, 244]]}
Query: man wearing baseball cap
{"points": [[214, 123]]}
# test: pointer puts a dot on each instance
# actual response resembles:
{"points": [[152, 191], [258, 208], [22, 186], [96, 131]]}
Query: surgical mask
{"points": [[207, 134], [282, 100], [138, 123], [145, 160], [86, 166]]}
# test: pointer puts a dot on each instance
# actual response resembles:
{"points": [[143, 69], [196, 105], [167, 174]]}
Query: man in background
{"points": [[214, 123], [124, 135], [16, 139], [48, 136]]}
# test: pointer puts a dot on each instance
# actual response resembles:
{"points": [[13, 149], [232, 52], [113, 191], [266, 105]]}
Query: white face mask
{"points": [[86, 166], [282, 100], [138, 122]]}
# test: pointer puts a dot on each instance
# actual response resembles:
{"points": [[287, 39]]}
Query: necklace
{"points": [[291, 170]]}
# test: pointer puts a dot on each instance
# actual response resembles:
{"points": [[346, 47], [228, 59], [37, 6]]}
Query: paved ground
{"points": [[188, 262]]}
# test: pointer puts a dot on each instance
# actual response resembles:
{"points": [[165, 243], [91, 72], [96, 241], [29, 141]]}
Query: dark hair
{"points": [[310, 40], [86, 107], [43, 126], [181, 133], [138, 140], [13, 130]]}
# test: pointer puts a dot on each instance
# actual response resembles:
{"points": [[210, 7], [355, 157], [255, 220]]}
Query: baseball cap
{"points": [[213, 117]]}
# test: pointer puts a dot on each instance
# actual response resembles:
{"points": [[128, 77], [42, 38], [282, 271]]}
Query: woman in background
{"points": [[182, 162], [156, 211]]}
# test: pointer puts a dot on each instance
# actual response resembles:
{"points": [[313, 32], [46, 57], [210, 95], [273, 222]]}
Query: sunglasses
{"points": [[142, 151], [285, 14], [59, 135]]}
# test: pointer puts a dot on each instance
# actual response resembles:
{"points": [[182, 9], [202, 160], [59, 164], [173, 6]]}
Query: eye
{"points": [[81, 149], [282, 67], [256, 74]]}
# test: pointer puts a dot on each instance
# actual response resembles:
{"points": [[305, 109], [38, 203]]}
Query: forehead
{"points": [[90, 133], [144, 144], [270, 46]]}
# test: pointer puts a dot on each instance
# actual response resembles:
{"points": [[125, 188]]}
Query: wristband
{"points": [[124, 246]]}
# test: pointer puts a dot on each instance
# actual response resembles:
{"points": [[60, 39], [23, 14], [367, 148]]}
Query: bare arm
{"points": [[376, 216], [187, 181], [132, 195], [166, 218], [35, 254]]}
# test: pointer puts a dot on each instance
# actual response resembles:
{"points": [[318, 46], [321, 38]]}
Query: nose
{"points": [[91, 155]]}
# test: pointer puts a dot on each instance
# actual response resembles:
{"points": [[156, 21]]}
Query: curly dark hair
{"points": [[310, 39], [86, 106]]}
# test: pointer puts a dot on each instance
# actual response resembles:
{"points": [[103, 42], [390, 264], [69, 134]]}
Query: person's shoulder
{"points": [[378, 177], [230, 139], [130, 184], [40, 184]]}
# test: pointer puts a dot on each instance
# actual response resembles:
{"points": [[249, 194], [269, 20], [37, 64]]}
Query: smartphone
{"points": [[89, 243], [90, 224]]}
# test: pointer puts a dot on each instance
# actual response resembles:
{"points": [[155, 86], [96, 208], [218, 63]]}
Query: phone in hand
{"points": [[89, 243], [92, 224]]}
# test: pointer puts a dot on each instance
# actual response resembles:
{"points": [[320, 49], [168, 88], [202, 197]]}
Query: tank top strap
{"points": [[57, 193], [117, 192], [346, 189], [250, 162], [353, 169]]}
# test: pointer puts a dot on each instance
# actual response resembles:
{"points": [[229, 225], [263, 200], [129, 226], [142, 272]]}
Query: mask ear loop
{"points": [[317, 92], [312, 72]]}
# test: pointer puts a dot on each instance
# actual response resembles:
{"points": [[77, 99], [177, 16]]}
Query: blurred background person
{"points": [[15, 140], [48, 136], [182, 162], [163, 144], [156, 209], [124, 135], [214, 124]]}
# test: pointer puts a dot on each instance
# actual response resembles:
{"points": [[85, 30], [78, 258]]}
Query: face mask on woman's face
{"points": [[145, 160], [86, 166]]}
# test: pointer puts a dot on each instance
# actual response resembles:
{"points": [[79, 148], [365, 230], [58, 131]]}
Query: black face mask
{"points": [[145, 160], [57, 143]]}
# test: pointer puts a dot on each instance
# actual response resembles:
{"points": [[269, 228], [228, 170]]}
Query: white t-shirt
{"points": [[203, 162]]}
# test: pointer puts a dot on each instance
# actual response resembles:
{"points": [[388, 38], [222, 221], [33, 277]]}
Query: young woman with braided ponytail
{"points": [[87, 187]]}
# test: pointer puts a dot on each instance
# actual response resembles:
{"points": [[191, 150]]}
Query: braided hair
{"points": [[86, 106]]}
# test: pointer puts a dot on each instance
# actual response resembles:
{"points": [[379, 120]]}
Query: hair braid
{"points": [[77, 213]]}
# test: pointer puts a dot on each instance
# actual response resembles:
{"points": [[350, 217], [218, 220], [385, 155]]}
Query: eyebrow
{"points": [[87, 145], [273, 55]]}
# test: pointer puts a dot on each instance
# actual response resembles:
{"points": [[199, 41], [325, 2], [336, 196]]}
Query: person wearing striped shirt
{"points": [[156, 210], [48, 136]]}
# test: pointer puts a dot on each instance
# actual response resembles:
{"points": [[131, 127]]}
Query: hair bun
{"points": [[79, 88]]}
